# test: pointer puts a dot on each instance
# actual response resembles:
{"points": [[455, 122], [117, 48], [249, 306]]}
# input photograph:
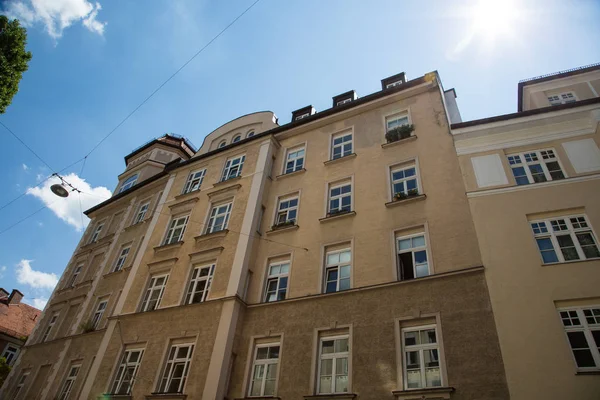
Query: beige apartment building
{"points": [[533, 185], [332, 257]]}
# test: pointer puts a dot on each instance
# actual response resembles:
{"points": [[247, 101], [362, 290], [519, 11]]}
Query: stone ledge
{"points": [[437, 393], [191, 200], [227, 181], [188, 194], [348, 157], [284, 228], [166, 247], [300, 171], [133, 226], [100, 242], [397, 142], [395, 203], [337, 216], [114, 396], [212, 235], [166, 396], [258, 398], [224, 190], [331, 396]]}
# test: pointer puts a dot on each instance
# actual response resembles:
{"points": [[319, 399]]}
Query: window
{"points": [[582, 326], [68, 385], [154, 292], [393, 84], [122, 258], [341, 145], [340, 198], [200, 284], [250, 134], [20, 384], [128, 183], [219, 217], [277, 281], [222, 144], [563, 98], [404, 181], [194, 181], [233, 168], [74, 276], [176, 230], [294, 160], [536, 166], [264, 370], [339, 103], [125, 377], [287, 211], [10, 353], [412, 257], [421, 367], [141, 214], [337, 270], [99, 313], [302, 116], [176, 370], [96, 234], [236, 138], [333, 365], [51, 324], [565, 239], [396, 121]]}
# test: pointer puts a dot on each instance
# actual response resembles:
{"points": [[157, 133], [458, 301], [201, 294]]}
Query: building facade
{"points": [[331, 257], [533, 185]]}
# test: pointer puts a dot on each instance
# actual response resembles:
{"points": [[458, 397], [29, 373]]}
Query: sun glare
{"points": [[494, 18]]}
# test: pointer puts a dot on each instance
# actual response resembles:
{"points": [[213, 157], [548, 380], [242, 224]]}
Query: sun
{"points": [[495, 18]]}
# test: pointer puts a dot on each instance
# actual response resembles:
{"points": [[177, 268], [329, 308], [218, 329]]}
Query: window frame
{"points": [[172, 227], [438, 345], [140, 215], [296, 208], [50, 326], [122, 258], [276, 277], [129, 182], [228, 167], [332, 356], [210, 225], [254, 362], [74, 276], [333, 146], [338, 184], [222, 144], [12, 354], [584, 326], [99, 313], [69, 382], [150, 287], [561, 98], [119, 375], [192, 286], [403, 166], [96, 232], [167, 371], [337, 266], [394, 116], [250, 133], [238, 137], [398, 236], [551, 234], [20, 384], [189, 182], [541, 161], [286, 160]]}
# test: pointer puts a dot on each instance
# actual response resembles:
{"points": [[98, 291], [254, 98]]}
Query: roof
{"points": [[170, 140], [552, 76], [17, 320]]}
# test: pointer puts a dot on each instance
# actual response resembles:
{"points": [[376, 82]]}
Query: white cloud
{"points": [[39, 302], [36, 279], [56, 15], [25, 167], [69, 209], [2, 270]]}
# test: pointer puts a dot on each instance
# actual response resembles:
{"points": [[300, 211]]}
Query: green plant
{"points": [[408, 194], [14, 59], [87, 326], [399, 133], [338, 211], [282, 224], [4, 370]]}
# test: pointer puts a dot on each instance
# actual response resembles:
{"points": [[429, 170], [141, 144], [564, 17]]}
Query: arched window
{"points": [[129, 182], [250, 133], [222, 144], [236, 138]]}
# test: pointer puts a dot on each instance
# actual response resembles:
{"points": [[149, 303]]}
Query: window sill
{"points": [[283, 228], [258, 398], [103, 240], [224, 189], [300, 171], [133, 226], [437, 393], [337, 216], [166, 396], [591, 372], [332, 396], [397, 142], [336, 160], [113, 273], [166, 247], [395, 203], [193, 193], [212, 235], [227, 181], [570, 262], [184, 202], [116, 396]]}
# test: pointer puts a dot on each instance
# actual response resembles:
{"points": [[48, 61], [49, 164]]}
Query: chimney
{"points": [[15, 297], [3, 293]]}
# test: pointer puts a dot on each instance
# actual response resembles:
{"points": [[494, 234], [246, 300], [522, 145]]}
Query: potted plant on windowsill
{"points": [[289, 222], [403, 196], [399, 133], [337, 211], [87, 327]]}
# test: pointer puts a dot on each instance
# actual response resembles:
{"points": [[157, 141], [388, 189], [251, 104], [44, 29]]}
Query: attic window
{"points": [[129, 182], [302, 116], [302, 113], [390, 85], [393, 81], [250, 133], [339, 103], [236, 138], [222, 144]]}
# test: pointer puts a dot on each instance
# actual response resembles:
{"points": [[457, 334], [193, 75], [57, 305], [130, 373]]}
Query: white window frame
{"points": [[339, 103], [222, 144], [125, 250], [338, 267], [124, 375], [129, 182], [20, 384], [342, 144], [305, 115], [194, 181], [298, 161], [584, 326], [50, 325], [264, 364], [215, 213], [339, 197], [229, 168], [394, 84], [542, 157], [167, 374], [543, 229], [404, 180], [562, 98], [236, 138], [173, 226], [100, 309], [9, 354], [75, 275], [151, 288], [141, 214], [420, 348], [97, 231], [397, 116], [285, 212], [69, 382], [334, 357], [250, 133], [412, 250], [195, 280], [277, 277]]}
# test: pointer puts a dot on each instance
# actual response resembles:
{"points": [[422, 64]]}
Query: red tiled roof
{"points": [[17, 320]]}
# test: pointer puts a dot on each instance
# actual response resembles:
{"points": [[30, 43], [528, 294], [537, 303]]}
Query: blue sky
{"points": [[91, 70]]}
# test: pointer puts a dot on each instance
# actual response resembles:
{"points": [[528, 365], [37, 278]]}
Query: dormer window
{"points": [[393, 81], [562, 98], [390, 85], [339, 103], [236, 138], [302, 116], [302, 113], [250, 133], [344, 98], [222, 144], [129, 182]]}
